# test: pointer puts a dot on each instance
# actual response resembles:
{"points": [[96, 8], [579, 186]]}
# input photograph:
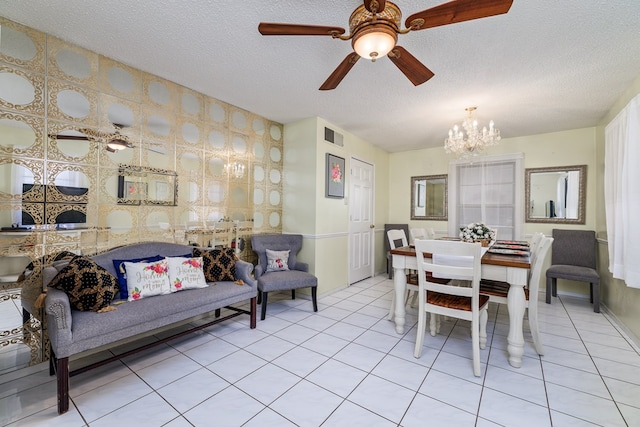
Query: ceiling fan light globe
{"points": [[117, 144], [375, 41]]}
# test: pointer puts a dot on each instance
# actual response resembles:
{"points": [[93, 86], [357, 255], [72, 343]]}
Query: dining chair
{"points": [[535, 241], [422, 233], [398, 239], [454, 260], [573, 257], [387, 248], [498, 291]]}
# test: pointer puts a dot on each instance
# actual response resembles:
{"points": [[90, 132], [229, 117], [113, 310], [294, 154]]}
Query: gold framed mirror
{"points": [[429, 197], [556, 194]]}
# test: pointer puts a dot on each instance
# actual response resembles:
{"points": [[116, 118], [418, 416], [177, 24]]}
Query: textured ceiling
{"points": [[546, 66]]}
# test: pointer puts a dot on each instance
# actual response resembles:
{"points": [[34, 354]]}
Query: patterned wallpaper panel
{"points": [[59, 106], [228, 160]]}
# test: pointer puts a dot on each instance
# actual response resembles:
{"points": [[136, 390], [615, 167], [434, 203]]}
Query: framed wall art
{"points": [[334, 177]]}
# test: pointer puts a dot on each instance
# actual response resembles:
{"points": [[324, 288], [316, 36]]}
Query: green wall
{"points": [[324, 222]]}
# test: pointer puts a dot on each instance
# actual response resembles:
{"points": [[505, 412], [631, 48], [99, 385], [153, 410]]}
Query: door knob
{"points": [[372, 226]]}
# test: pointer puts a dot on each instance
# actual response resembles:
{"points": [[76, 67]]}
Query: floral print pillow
{"points": [[186, 273], [277, 260], [147, 279]]}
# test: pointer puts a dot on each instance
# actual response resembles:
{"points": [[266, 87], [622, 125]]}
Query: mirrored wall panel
{"points": [[96, 154]]}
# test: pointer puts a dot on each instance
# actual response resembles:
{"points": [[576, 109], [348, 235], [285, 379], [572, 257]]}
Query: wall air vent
{"points": [[333, 137]]}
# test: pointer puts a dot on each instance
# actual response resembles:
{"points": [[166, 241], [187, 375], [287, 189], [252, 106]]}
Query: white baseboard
{"points": [[633, 340]]}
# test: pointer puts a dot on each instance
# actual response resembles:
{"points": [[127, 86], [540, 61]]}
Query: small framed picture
{"points": [[135, 190], [335, 177]]}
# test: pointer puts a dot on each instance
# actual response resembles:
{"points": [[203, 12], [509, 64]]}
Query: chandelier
{"points": [[236, 169], [472, 141]]}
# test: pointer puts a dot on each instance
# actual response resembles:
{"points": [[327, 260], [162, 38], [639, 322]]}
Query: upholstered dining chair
{"points": [[278, 267], [455, 260], [573, 257], [498, 291]]}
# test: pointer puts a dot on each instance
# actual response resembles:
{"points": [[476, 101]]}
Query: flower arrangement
{"points": [[336, 173], [476, 231]]}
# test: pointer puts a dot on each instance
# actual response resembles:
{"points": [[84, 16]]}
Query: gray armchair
{"points": [[297, 276], [573, 257]]}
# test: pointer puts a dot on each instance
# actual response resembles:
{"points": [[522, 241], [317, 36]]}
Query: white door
{"points": [[361, 227]]}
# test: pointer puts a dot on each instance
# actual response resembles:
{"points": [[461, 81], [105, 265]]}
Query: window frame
{"points": [[454, 189]]}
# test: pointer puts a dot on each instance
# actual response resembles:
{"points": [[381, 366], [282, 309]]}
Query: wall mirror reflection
{"points": [[139, 185], [556, 194], [429, 197]]}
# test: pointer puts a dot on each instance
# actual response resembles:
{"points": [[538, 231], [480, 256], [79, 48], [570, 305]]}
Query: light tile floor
{"points": [[346, 366]]}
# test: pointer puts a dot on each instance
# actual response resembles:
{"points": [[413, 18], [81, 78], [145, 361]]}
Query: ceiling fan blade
{"points": [[375, 6], [338, 74], [275, 29], [457, 11], [70, 137], [410, 66], [157, 150]]}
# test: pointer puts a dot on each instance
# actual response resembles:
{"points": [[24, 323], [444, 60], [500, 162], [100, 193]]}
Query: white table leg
{"points": [[400, 288], [515, 340]]}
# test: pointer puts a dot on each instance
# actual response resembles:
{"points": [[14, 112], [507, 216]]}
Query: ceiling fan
{"points": [[374, 27], [115, 141]]}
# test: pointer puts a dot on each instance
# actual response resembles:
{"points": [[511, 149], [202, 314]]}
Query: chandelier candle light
{"points": [[235, 169], [475, 141]]}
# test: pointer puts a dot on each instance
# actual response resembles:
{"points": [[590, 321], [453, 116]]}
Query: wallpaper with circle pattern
{"points": [[49, 87]]}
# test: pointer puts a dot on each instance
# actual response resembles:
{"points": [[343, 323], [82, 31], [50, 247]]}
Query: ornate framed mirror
{"points": [[139, 185], [556, 194], [429, 197]]}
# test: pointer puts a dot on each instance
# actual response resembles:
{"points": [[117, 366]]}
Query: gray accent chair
{"points": [[296, 277], [573, 257]]}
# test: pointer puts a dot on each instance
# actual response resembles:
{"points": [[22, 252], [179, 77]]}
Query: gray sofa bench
{"points": [[72, 332]]}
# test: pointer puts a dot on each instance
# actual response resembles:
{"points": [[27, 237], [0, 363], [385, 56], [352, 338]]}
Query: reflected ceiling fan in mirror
{"points": [[374, 27], [114, 141]]}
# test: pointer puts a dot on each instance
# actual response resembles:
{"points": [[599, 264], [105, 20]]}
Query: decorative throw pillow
{"points": [[277, 260], [62, 255], [147, 279], [185, 273], [118, 264], [89, 286], [219, 264]]}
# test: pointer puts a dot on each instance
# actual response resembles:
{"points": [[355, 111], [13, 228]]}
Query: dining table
{"points": [[511, 268]]}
